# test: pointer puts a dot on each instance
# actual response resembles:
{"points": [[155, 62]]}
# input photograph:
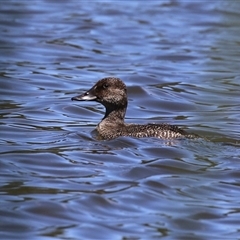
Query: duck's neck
{"points": [[115, 114]]}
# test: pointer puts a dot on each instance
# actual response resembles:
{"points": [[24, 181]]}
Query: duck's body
{"points": [[112, 93]]}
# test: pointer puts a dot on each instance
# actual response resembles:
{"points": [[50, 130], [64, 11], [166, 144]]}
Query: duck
{"points": [[111, 92]]}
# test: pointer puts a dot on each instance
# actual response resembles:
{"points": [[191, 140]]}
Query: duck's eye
{"points": [[105, 85]]}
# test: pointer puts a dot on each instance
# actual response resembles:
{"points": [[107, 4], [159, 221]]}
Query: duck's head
{"points": [[110, 91]]}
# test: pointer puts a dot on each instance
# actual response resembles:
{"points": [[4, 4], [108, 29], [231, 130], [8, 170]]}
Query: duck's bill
{"points": [[87, 96]]}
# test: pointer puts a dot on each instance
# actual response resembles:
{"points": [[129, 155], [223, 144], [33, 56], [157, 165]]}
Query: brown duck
{"points": [[111, 92]]}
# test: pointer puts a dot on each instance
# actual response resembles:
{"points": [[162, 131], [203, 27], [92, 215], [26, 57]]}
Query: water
{"points": [[180, 61]]}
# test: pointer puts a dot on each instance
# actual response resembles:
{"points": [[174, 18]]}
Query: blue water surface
{"points": [[180, 62]]}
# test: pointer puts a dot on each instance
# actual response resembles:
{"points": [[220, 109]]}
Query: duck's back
{"points": [[163, 131]]}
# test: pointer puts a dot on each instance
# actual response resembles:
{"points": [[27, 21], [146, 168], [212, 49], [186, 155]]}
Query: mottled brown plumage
{"points": [[111, 92]]}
